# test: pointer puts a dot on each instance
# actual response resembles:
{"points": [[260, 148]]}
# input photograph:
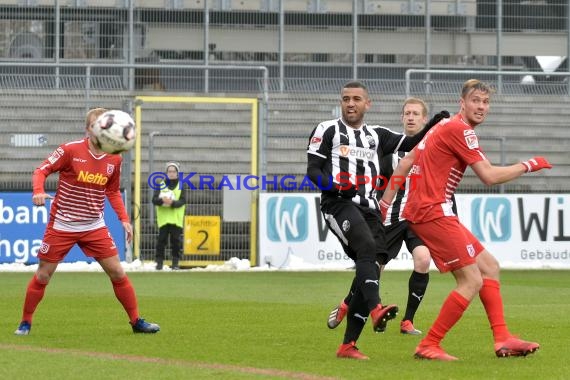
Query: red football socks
{"points": [[34, 294], [490, 295], [451, 311], [125, 293]]}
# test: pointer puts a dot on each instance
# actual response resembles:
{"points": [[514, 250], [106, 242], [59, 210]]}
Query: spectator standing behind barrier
{"points": [[340, 152], [438, 164], [170, 207], [86, 177]]}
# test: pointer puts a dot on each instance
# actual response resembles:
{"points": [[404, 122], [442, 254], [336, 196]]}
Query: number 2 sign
{"points": [[202, 235]]}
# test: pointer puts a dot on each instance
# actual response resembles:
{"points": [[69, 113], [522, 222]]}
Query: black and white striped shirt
{"points": [[355, 152], [388, 164]]}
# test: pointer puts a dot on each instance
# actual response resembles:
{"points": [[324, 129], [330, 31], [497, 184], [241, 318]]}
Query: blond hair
{"points": [[475, 84], [412, 100], [93, 114]]}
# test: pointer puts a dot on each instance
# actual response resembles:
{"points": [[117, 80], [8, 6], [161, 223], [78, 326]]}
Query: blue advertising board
{"points": [[22, 227]]}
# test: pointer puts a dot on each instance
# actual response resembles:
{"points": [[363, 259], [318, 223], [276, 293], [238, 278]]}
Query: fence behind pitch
{"points": [[212, 138]]}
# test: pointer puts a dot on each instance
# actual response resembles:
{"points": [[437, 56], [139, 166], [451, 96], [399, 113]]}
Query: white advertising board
{"points": [[523, 231]]}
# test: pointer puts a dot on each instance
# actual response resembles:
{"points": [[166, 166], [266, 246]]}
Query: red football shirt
{"points": [[440, 162], [84, 181]]}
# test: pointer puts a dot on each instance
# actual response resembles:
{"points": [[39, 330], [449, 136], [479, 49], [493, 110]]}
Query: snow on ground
{"points": [[234, 264], [293, 263]]}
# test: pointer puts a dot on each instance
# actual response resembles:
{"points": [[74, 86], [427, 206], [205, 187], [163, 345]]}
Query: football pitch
{"points": [[268, 325]]}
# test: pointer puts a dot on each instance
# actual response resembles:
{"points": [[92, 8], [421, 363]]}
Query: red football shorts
{"points": [[451, 245], [96, 243]]}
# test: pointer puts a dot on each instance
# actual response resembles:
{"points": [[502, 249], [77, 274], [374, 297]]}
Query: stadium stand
{"points": [[39, 111], [200, 138], [527, 124]]}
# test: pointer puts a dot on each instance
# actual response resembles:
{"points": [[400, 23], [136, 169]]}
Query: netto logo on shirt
{"points": [[97, 179], [357, 152], [491, 219]]}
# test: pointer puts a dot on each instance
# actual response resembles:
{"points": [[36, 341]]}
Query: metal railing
{"points": [[428, 81], [128, 82], [367, 34]]}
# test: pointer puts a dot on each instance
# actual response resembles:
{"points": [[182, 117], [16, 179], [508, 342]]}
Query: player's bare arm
{"points": [[493, 175], [401, 171]]}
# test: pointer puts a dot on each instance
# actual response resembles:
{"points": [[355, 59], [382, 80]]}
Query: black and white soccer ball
{"points": [[114, 132]]}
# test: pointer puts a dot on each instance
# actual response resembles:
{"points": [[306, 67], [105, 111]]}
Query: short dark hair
{"points": [[355, 84]]}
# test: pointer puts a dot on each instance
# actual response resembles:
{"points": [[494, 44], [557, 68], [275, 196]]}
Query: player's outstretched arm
{"points": [[494, 175], [443, 114]]}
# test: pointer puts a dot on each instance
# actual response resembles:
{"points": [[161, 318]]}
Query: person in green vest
{"points": [[170, 205]]}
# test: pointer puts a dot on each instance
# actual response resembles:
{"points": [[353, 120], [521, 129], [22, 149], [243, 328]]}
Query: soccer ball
{"points": [[114, 132], [168, 194]]}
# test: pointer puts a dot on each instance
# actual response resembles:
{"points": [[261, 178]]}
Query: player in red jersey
{"points": [[439, 162], [86, 176]]}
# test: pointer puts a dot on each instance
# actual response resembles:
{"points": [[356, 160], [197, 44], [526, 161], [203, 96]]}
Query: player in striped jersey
{"points": [[86, 176], [414, 117], [439, 162], [343, 160]]}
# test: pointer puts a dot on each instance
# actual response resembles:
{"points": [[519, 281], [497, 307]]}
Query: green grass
{"points": [[267, 325]]}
